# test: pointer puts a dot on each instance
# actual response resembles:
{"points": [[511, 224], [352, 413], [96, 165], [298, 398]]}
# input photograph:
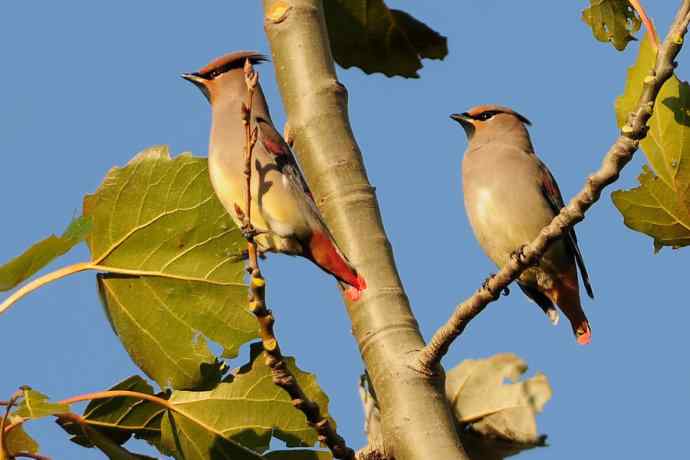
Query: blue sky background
{"points": [[86, 85]]}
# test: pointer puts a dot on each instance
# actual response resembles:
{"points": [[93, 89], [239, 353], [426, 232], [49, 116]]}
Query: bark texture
{"points": [[417, 422]]}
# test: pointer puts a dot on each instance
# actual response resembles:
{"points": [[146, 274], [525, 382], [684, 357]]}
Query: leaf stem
{"points": [[42, 281]]}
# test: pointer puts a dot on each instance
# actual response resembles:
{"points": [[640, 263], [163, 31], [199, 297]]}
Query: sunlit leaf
{"points": [[247, 412], [174, 267], [42, 253], [500, 416], [113, 450], [660, 207], [17, 440], [612, 21], [369, 35], [36, 405]]}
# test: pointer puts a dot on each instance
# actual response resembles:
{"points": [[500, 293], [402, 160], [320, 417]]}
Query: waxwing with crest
{"points": [[282, 209], [510, 195]]}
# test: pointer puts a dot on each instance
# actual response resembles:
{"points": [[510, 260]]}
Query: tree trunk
{"points": [[417, 421]]}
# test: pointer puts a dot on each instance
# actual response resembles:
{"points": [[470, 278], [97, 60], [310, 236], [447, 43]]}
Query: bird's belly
{"points": [[503, 221], [230, 189]]}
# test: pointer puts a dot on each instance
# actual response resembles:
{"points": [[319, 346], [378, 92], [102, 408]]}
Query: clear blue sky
{"points": [[85, 85]]}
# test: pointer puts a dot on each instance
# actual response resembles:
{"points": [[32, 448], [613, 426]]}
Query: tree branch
{"points": [[416, 419], [281, 374], [615, 160]]}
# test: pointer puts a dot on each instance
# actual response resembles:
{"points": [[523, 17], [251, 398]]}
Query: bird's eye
{"points": [[214, 74], [485, 115]]}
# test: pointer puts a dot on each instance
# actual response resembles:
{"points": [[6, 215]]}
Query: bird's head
{"points": [[490, 119], [227, 70]]}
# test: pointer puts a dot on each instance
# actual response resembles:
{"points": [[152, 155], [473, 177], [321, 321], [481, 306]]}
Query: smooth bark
{"points": [[416, 419]]}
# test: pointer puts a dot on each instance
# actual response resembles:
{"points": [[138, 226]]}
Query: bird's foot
{"points": [[553, 315], [519, 255], [485, 286], [249, 232]]}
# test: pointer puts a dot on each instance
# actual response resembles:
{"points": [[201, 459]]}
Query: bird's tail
{"points": [[566, 295], [324, 252]]}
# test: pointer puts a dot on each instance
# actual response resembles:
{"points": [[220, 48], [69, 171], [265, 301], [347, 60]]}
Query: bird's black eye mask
{"points": [[483, 116], [488, 114]]}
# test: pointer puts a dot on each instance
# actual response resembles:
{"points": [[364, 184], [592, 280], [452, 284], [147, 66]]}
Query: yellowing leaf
{"points": [[42, 253], [174, 267], [660, 207], [36, 405], [496, 410], [369, 35], [612, 21], [17, 440]]}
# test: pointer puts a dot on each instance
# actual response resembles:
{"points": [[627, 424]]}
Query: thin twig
{"points": [[615, 160], [282, 376]]}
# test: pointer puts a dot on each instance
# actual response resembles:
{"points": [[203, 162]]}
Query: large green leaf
{"points": [[612, 21], [247, 412], [369, 35], [497, 418], [174, 267], [660, 207], [42, 253], [36, 405]]}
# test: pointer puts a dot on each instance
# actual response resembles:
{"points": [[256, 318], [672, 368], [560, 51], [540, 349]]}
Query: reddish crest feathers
{"points": [[229, 62], [476, 111]]}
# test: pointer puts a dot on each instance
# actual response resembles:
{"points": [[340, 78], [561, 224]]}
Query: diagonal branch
{"points": [[615, 160], [281, 374]]}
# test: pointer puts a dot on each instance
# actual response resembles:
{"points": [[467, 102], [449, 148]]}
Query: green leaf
{"points": [[42, 253], [36, 405], [612, 21], [17, 440], [495, 414], [174, 267], [112, 449], [369, 35], [247, 412], [120, 417], [660, 207]]}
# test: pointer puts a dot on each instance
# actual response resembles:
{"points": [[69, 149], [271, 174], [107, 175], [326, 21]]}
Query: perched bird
{"points": [[283, 211], [510, 195]]}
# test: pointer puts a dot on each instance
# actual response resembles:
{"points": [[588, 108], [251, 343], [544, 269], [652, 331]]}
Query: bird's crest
{"points": [[229, 62], [476, 112]]}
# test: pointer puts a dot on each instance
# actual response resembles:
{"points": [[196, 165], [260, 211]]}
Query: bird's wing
{"points": [[285, 159], [553, 195]]}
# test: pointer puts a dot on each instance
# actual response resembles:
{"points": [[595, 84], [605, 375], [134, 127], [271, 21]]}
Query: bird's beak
{"points": [[466, 121], [199, 83], [462, 118]]}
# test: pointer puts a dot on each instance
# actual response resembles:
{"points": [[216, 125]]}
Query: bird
{"points": [[283, 212], [510, 195]]}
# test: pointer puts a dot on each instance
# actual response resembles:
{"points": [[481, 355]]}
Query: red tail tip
{"points": [[353, 294], [360, 283], [584, 334]]}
